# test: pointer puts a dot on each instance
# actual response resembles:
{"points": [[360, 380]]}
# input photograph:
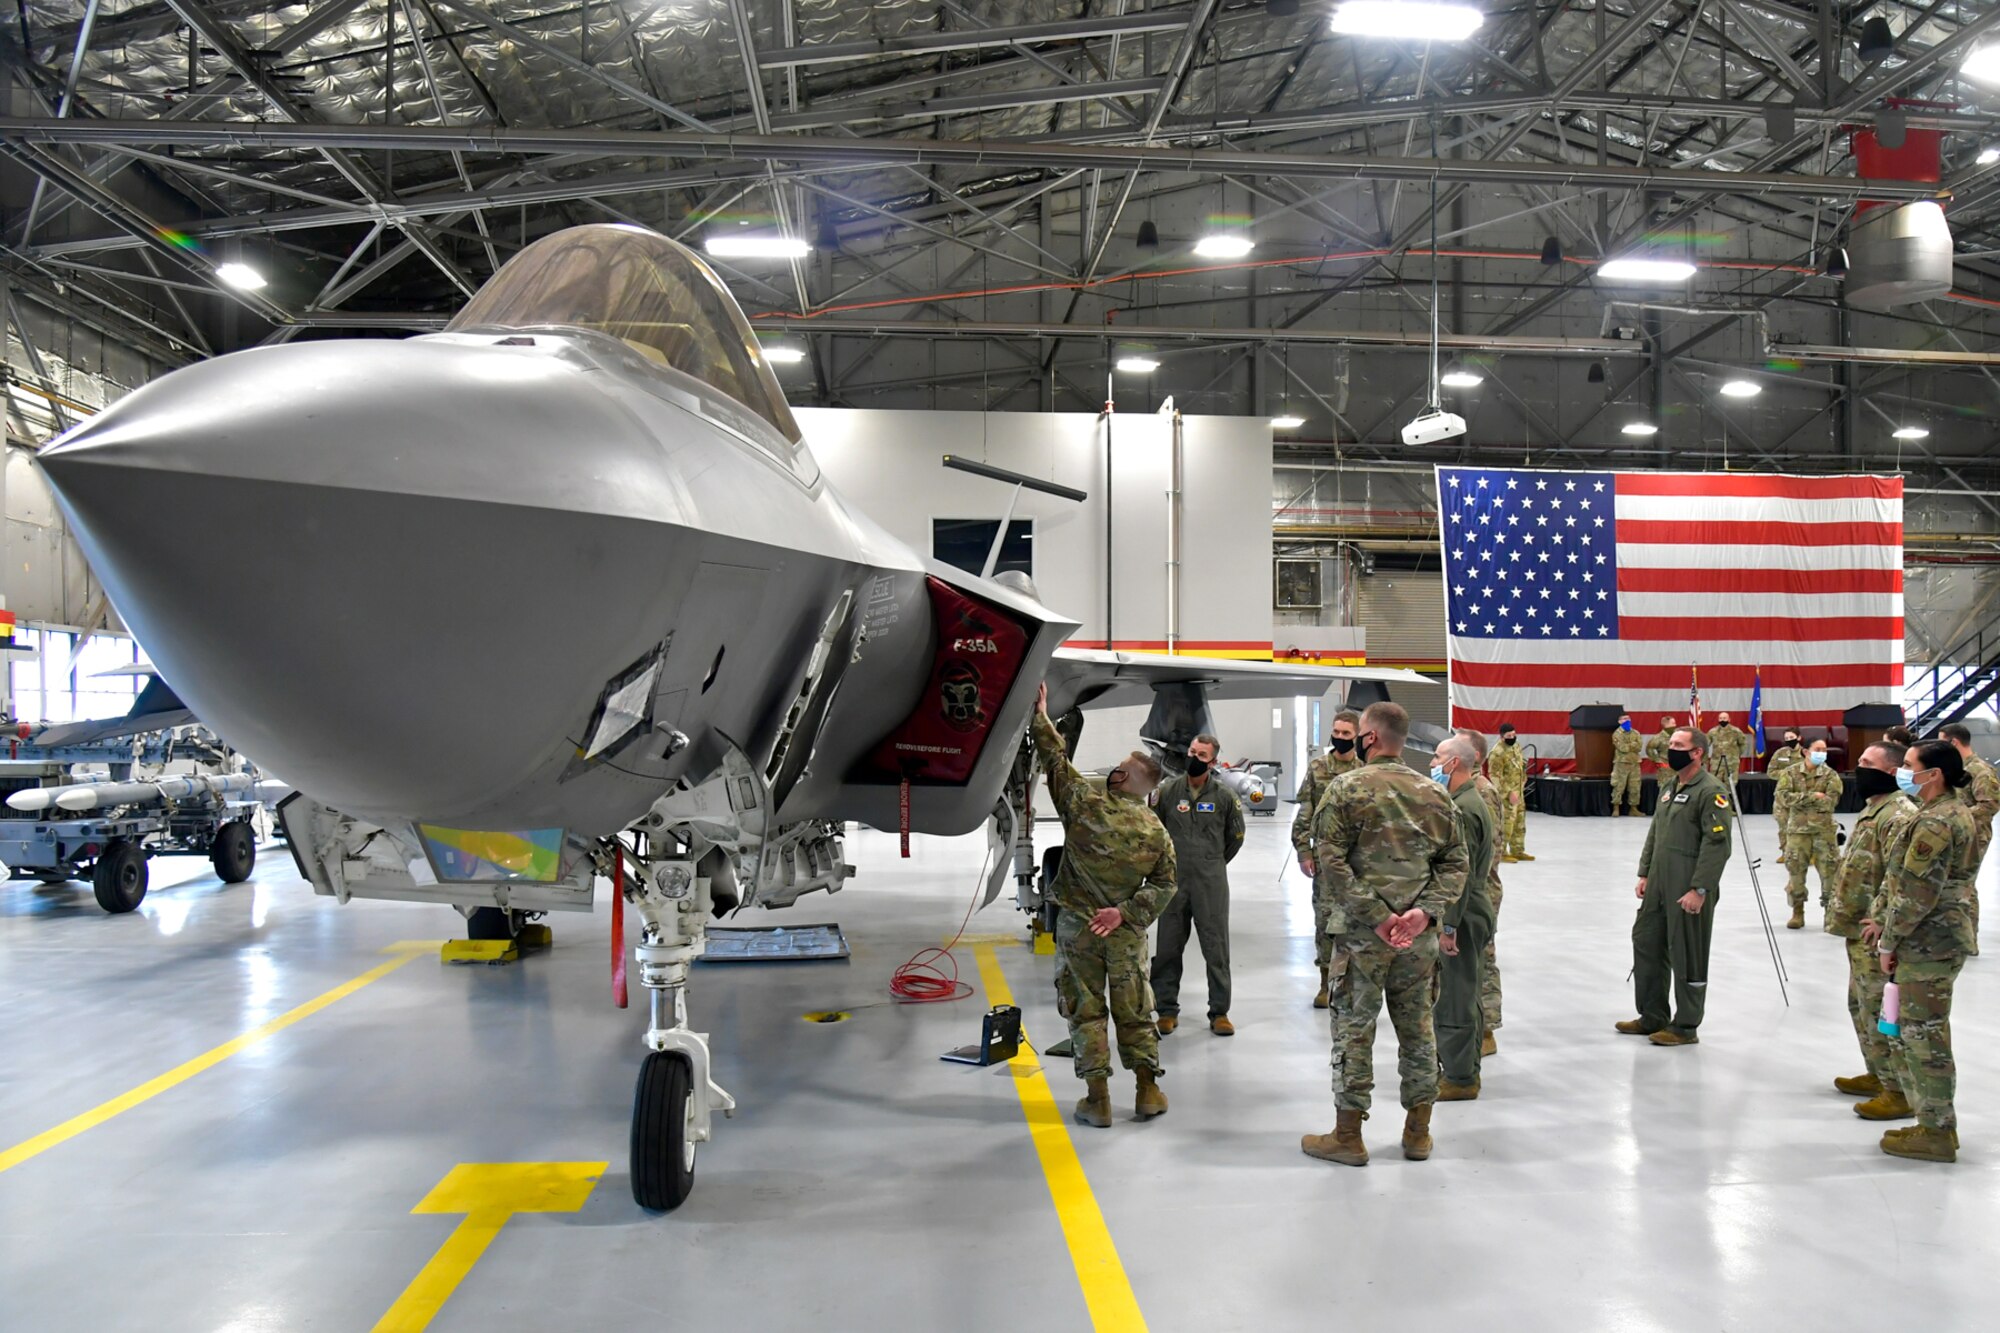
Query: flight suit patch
{"points": [[1722, 802], [1182, 807], [1205, 808], [1682, 799]]}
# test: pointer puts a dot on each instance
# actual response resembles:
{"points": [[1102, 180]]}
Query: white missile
{"points": [[104, 795], [1251, 789]]}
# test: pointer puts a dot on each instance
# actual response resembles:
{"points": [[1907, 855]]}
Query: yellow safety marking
{"points": [[403, 952], [488, 1193], [1099, 1271]]}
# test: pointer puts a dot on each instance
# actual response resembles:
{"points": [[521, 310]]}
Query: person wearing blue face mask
{"points": [[1807, 795], [1627, 749], [1468, 926]]}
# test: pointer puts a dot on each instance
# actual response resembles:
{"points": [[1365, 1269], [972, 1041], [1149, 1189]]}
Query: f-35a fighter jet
{"points": [[558, 596]]}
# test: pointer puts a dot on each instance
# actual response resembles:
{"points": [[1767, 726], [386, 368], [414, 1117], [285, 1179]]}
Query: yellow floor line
{"points": [[179, 1074], [1099, 1271], [488, 1193]]}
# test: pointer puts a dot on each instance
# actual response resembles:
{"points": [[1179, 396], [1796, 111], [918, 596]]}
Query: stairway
{"points": [[1958, 682]]}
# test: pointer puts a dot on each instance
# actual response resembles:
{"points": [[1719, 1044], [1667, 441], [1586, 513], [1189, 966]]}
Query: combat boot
{"points": [[1417, 1133], [1095, 1109], [1867, 1085], [1344, 1145], [1634, 1027], [1488, 1045], [1151, 1101], [1320, 997], [1522, 856], [1798, 921], [1922, 1144], [1167, 1024], [1888, 1104], [1449, 1091]]}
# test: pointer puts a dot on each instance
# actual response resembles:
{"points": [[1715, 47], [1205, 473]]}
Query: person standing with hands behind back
{"points": [[1626, 747], [1389, 844], [1680, 877], [1508, 767], [1339, 758], [1117, 874], [1468, 928]]}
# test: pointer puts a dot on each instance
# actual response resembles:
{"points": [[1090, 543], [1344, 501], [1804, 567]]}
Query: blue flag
{"points": [[1757, 709]]}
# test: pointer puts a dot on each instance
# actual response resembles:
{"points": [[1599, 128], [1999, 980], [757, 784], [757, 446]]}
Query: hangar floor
{"points": [[1600, 1183]]}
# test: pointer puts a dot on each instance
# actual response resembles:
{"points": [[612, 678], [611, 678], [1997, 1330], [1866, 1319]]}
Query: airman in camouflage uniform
{"points": [[1657, 743], [1389, 843], [1117, 875], [1726, 747], [1981, 794], [1924, 932], [1508, 767], [1489, 969], [1787, 756], [1878, 829], [1626, 746], [1807, 795], [1339, 758]]}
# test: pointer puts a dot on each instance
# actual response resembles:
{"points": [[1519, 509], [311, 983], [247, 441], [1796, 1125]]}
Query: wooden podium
{"points": [[1865, 724], [1592, 726]]}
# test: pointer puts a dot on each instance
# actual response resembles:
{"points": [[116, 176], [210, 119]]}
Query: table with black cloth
{"points": [[1550, 795]]}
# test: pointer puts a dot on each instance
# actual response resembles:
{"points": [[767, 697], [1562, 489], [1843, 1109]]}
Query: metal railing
{"points": [[1958, 682]]}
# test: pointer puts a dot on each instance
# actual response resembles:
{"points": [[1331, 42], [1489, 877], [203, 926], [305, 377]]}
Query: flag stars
{"points": [[1599, 487], [1573, 558], [1482, 483], [1543, 556], [1452, 481], [1540, 484], [1575, 630], [1597, 522], [1603, 630], [1602, 594], [1512, 484], [1570, 521], [1569, 485], [1489, 629], [1461, 627]]}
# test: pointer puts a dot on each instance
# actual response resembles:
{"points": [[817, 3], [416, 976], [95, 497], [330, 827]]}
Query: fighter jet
{"points": [[558, 595]]}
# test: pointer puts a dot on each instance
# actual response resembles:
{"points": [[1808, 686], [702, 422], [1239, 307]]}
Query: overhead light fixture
{"points": [[1287, 423], [1224, 246], [758, 247], [1836, 261], [1911, 433], [1137, 365], [1988, 156], [1639, 428], [781, 355], [1552, 252], [1983, 64], [1631, 268], [240, 276], [1877, 42], [1460, 378], [1411, 20], [1596, 375], [1149, 235], [1741, 389]]}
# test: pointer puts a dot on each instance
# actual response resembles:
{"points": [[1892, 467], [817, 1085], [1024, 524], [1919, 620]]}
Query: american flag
{"points": [[1569, 588]]}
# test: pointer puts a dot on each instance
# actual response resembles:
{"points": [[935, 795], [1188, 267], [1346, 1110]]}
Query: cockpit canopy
{"points": [[638, 286]]}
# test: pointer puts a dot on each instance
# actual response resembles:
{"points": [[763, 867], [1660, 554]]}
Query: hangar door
{"points": [[1403, 611]]}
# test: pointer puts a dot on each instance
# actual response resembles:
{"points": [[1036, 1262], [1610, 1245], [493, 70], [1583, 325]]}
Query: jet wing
{"points": [[1091, 678]]}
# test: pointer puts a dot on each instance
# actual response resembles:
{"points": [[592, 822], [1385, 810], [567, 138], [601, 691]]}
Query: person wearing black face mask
{"points": [[1205, 821], [1340, 757], [1508, 767], [1885, 814], [1680, 875], [1789, 755]]}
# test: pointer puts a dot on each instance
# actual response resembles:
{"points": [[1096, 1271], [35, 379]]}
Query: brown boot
{"points": [[1798, 921], [1151, 1101], [1488, 1045], [1221, 1026], [1167, 1024], [1320, 997], [1867, 1085], [1095, 1109], [1417, 1133], [1911, 1129], [1922, 1144], [1635, 1027], [1669, 1037], [1888, 1104], [1344, 1145], [1449, 1091], [1522, 856]]}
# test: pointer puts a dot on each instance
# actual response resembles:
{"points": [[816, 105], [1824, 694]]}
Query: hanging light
{"points": [[1989, 155], [1740, 389], [782, 355], [1287, 422], [1596, 375], [240, 276], [1137, 365], [1411, 20], [1224, 245], [1641, 428], [1458, 377], [1552, 252], [1636, 268], [758, 247], [1910, 433], [1149, 235], [1877, 42], [1836, 261], [1983, 64]]}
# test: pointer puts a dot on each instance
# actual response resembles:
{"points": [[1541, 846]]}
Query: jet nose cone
{"points": [[372, 566]]}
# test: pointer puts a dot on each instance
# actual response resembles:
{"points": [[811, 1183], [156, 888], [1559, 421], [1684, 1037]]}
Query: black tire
{"points": [[235, 852], [121, 876], [1051, 863], [662, 1151], [494, 923]]}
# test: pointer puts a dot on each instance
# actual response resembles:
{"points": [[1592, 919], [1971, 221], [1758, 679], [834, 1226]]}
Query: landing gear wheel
{"points": [[120, 878], [662, 1137], [494, 923], [235, 852]]}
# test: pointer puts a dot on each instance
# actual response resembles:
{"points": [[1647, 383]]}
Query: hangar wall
{"points": [[888, 463]]}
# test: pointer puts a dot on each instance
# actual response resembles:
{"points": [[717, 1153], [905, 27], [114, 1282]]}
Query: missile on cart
{"points": [[104, 795], [1250, 788]]}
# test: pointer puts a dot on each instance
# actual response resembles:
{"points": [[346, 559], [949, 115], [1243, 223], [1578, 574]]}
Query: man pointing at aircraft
{"points": [[1117, 875]]}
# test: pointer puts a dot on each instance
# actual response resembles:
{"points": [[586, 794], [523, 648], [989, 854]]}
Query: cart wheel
{"points": [[662, 1144], [234, 853], [120, 878], [494, 923]]}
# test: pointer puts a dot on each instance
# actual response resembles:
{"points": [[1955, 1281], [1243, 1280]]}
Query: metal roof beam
{"points": [[974, 39]]}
